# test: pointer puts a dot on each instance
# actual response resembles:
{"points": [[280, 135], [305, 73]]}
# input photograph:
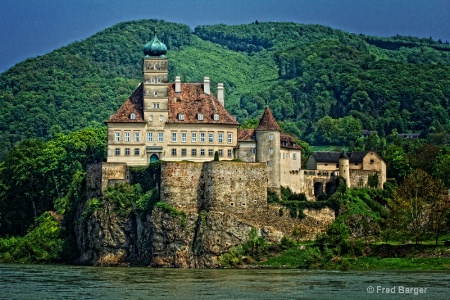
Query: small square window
{"points": [[183, 152], [220, 152], [216, 117], [132, 116], [194, 152], [210, 152], [127, 151], [117, 151], [174, 152], [181, 117], [253, 150], [136, 151], [202, 152]]}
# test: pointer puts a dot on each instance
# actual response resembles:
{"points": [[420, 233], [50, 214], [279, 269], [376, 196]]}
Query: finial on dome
{"points": [[155, 47]]}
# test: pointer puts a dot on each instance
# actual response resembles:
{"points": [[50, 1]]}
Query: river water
{"points": [[75, 282]]}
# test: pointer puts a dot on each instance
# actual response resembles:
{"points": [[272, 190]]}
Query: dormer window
{"points": [[181, 117], [200, 117], [294, 144], [216, 117], [132, 116]]}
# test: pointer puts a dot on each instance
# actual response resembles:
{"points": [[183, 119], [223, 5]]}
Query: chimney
{"points": [[177, 84], [206, 86], [220, 95]]}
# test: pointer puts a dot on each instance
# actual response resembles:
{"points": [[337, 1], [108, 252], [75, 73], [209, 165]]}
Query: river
{"points": [[76, 282]]}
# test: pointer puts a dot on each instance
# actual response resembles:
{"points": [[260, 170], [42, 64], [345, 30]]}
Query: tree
{"points": [[417, 201]]}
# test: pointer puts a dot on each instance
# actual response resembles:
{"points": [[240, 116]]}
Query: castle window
{"points": [[200, 117], [181, 117], [294, 156], [220, 137], [161, 118], [337, 165], [183, 152], [132, 116], [155, 93], [153, 80], [161, 137], [194, 137], [155, 105], [127, 136], [174, 137], [268, 163], [202, 152], [221, 153], [150, 136], [194, 152], [211, 137], [216, 117], [117, 151], [174, 152], [210, 152], [117, 136], [127, 151], [253, 150], [270, 150], [202, 137], [136, 151], [183, 137], [137, 136], [159, 80], [294, 144], [270, 137], [230, 138], [230, 153], [356, 164], [150, 118], [372, 161]]}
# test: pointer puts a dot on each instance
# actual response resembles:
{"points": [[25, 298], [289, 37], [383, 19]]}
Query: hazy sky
{"points": [[34, 27]]}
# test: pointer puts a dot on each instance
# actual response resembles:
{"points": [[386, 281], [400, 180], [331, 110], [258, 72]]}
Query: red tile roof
{"points": [[134, 104], [246, 135], [268, 122], [192, 101], [287, 141]]}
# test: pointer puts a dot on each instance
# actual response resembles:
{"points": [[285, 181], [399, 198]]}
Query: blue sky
{"points": [[35, 27]]}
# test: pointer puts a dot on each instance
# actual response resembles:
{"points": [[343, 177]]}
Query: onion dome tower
{"points": [[155, 83]]}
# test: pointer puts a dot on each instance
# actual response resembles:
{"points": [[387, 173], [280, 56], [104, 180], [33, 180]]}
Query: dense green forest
{"points": [[304, 72]]}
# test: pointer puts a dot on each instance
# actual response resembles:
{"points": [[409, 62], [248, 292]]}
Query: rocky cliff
{"points": [[186, 240]]}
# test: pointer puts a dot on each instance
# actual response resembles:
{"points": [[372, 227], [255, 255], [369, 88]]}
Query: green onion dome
{"points": [[155, 47]]}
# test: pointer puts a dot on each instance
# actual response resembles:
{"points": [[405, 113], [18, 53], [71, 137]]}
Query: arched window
{"points": [[200, 117], [132, 116]]}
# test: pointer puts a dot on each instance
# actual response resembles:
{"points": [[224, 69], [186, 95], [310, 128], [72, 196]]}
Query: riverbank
{"points": [[369, 257]]}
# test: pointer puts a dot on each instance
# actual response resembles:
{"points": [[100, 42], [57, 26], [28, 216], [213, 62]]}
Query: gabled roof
{"points": [[192, 101], [287, 141], [134, 104], [246, 135], [268, 122], [333, 157]]}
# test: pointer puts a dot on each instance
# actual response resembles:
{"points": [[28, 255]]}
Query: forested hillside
{"points": [[304, 72]]}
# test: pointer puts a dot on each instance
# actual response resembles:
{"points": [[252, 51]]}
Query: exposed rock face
{"points": [[164, 240]]}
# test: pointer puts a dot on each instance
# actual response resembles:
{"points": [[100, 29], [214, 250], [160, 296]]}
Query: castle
{"points": [[175, 121]]}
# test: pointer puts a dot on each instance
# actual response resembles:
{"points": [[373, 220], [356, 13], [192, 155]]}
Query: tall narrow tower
{"points": [[155, 79], [268, 147], [344, 168]]}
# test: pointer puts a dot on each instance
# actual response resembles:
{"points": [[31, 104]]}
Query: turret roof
{"points": [[155, 47], [268, 122]]}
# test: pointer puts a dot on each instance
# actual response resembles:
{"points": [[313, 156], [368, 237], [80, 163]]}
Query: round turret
{"points": [[155, 47]]}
